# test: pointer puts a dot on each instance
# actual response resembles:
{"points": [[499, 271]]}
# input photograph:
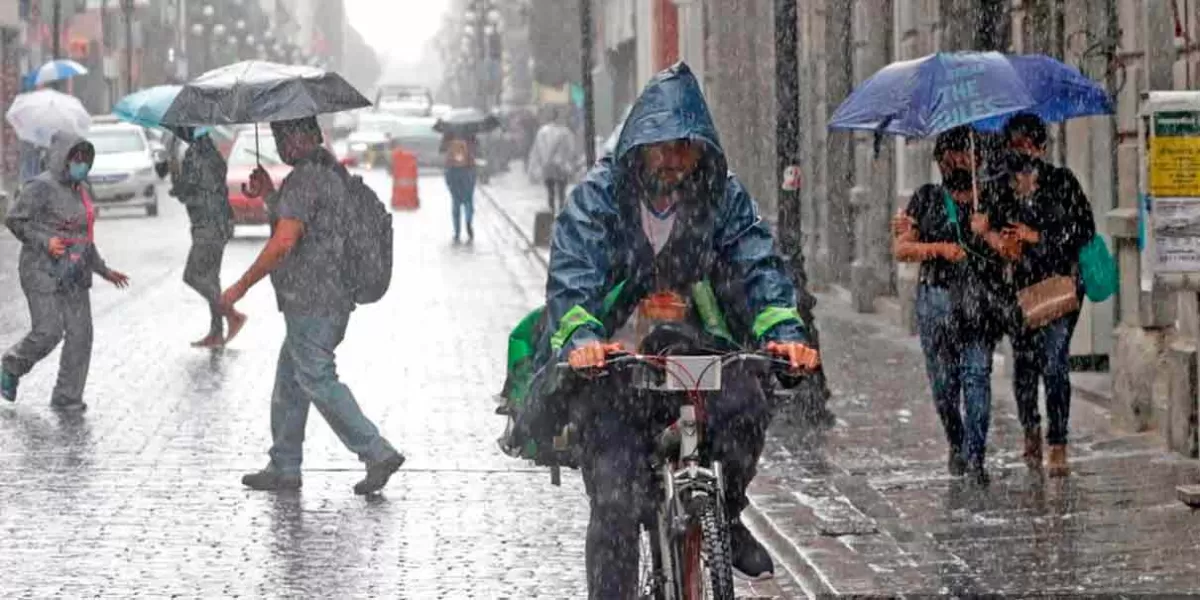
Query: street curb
{"points": [[790, 557], [531, 248]]}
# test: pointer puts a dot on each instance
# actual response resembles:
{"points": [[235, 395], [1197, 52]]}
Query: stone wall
{"points": [[740, 89]]}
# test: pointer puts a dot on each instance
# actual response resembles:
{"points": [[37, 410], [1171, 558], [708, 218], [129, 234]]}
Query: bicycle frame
{"points": [[684, 481], [691, 491]]}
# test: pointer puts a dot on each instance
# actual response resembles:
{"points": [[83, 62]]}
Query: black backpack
{"points": [[368, 269]]}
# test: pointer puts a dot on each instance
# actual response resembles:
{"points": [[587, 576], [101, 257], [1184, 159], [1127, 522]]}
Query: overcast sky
{"points": [[398, 29]]}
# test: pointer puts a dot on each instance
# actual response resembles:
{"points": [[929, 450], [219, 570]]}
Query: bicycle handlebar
{"points": [[659, 362]]}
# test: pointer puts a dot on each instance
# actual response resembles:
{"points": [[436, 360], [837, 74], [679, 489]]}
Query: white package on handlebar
{"points": [[687, 373]]}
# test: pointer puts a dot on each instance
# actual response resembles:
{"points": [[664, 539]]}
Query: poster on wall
{"points": [[1173, 163], [1176, 234]]}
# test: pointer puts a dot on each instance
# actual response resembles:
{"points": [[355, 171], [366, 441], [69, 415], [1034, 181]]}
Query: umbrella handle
{"points": [[974, 173], [257, 155]]}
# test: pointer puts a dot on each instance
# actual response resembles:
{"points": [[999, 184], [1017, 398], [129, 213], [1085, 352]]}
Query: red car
{"points": [[242, 161]]}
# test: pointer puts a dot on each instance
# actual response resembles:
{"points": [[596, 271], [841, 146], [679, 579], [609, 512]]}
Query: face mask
{"points": [[78, 171], [958, 180]]}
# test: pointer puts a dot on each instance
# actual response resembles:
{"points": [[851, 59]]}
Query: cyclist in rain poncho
{"points": [[663, 216]]}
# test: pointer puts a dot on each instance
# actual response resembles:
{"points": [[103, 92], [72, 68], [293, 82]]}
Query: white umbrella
{"points": [[37, 116]]}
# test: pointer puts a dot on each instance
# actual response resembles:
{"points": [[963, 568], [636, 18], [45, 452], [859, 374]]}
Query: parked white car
{"points": [[126, 171]]}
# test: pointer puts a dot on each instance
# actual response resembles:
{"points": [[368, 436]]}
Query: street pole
{"points": [[482, 76], [56, 28], [589, 106], [814, 392], [787, 133], [128, 46]]}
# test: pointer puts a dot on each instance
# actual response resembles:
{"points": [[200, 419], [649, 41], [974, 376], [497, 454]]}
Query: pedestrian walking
{"points": [[460, 150], [306, 258], [200, 186], [955, 237], [553, 158], [54, 219], [1053, 221]]}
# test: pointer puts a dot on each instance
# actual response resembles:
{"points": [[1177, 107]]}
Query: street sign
{"points": [[1175, 155]]}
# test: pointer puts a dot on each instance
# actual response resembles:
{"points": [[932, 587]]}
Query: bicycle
{"points": [[685, 546]]}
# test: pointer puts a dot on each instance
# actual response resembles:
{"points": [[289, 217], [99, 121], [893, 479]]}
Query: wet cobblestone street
{"points": [[140, 496]]}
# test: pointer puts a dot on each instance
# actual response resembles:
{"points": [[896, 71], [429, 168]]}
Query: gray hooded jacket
{"points": [[201, 187], [50, 205]]}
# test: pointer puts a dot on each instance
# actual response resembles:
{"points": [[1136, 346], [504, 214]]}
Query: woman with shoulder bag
{"points": [[1053, 222], [954, 236]]}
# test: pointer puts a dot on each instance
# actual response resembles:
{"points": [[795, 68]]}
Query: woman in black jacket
{"points": [[956, 239], [1053, 220]]}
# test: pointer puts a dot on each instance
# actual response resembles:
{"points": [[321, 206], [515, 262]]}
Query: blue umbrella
{"points": [[926, 96], [1060, 92], [54, 70], [147, 107]]}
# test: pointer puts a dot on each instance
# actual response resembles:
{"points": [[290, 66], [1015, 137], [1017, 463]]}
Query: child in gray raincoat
{"points": [[55, 221]]}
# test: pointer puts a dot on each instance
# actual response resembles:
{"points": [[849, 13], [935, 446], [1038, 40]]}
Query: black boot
{"points": [[956, 464], [271, 480], [977, 473], [378, 475], [750, 559]]}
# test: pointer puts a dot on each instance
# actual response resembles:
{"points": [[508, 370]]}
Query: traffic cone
{"points": [[404, 181]]}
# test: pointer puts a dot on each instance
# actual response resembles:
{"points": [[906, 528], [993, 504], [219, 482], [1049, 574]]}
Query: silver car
{"points": [[125, 172], [371, 143]]}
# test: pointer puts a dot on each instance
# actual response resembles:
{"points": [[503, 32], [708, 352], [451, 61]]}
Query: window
{"points": [[243, 153], [115, 141], [414, 129]]}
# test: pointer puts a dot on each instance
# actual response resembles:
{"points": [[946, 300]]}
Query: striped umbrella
{"points": [[54, 70]]}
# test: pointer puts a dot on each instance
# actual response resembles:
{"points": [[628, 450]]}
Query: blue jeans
{"points": [[960, 373], [461, 181], [307, 374], [1044, 355]]}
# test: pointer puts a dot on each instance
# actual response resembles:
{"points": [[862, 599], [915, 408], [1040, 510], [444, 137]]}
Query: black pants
{"points": [[556, 188], [618, 443], [203, 274]]}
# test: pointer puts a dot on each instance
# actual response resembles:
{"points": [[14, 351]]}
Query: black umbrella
{"points": [[255, 91], [466, 121]]}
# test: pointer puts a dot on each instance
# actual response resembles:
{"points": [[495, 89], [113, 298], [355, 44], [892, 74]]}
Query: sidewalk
{"points": [[870, 510], [518, 201]]}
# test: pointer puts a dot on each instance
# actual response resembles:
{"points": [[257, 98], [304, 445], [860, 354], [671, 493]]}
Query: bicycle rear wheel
{"points": [[707, 556]]}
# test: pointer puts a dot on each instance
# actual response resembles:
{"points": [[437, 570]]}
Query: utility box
{"points": [[1169, 236]]}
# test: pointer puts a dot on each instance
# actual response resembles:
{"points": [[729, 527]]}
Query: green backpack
{"points": [[1098, 269], [522, 348], [523, 339]]}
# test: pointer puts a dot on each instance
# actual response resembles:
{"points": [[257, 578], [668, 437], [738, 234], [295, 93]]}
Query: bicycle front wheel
{"points": [[707, 554]]}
